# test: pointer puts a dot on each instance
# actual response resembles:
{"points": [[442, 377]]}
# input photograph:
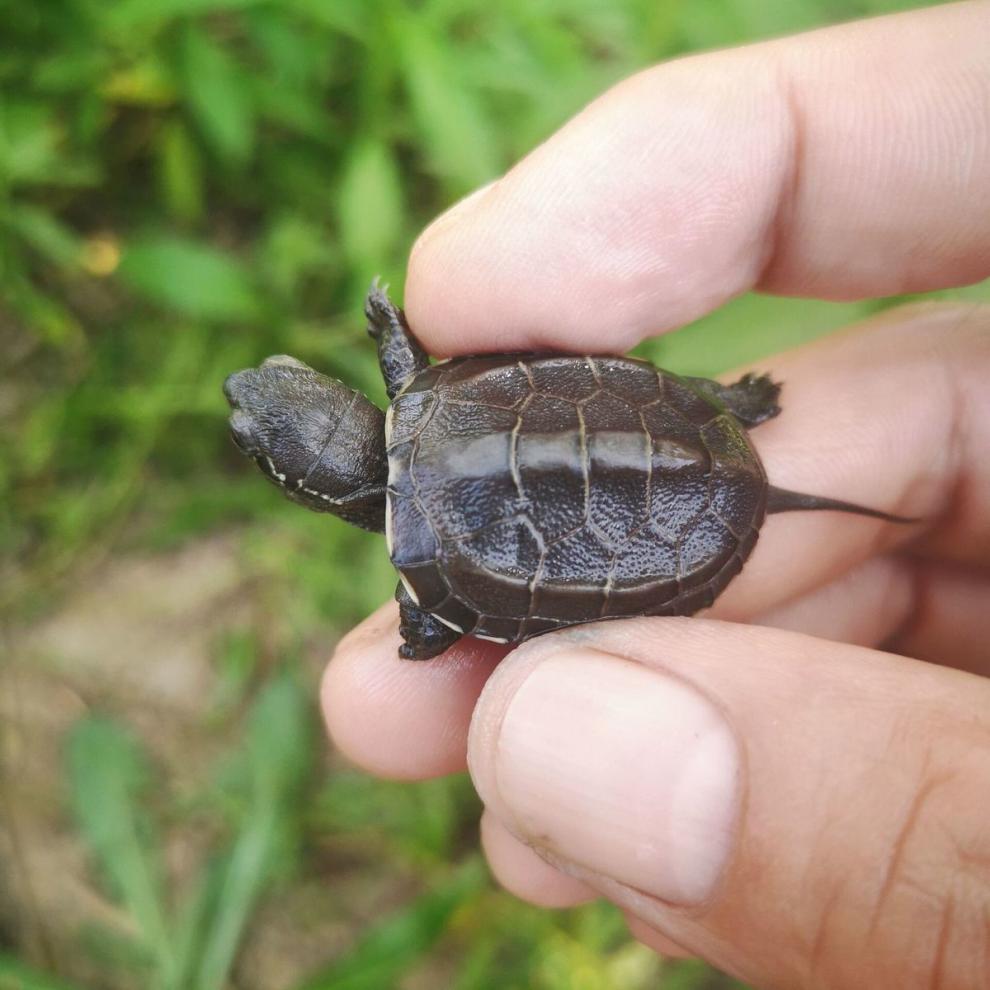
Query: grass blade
{"points": [[191, 924], [395, 945], [370, 204], [107, 774], [17, 975], [278, 750], [454, 129], [218, 92], [189, 277], [244, 878]]}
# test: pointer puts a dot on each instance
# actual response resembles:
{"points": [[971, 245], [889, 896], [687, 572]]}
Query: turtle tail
{"points": [[782, 500]]}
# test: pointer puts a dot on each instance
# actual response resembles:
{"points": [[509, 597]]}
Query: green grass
{"points": [[185, 187]]}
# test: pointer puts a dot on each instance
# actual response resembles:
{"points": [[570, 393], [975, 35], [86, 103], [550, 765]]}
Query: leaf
{"points": [[292, 108], [144, 84], [280, 729], [190, 277], [279, 752], [349, 17], [389, 949], [107, 774], [292, 55], [418, 822], [51, 238], [294, 247], [17, 975], [744, 329], [370, 204], [192, 922], [457, 136], [180, 171], [129, 14], [244, 878], [217, 91], [28, 141]]}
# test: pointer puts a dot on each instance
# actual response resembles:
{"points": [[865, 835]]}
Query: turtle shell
{"points": [[527, 493]]}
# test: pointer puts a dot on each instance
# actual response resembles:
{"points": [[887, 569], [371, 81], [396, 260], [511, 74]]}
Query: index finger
{"points": [[846, 163]]}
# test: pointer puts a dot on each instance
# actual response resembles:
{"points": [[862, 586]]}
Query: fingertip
{"points": [[396, 718], [358, 681], [523, 873], [581, 248]]}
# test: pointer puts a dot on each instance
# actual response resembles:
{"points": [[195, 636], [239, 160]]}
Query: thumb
{"points": [[798, 812]]}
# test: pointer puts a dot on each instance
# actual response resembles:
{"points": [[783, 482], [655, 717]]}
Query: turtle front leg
{"points": [[752, 399], [425, 635], [399, 353]]}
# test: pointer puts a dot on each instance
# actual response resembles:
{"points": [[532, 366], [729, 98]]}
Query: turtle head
{"points": [[321, 442]]}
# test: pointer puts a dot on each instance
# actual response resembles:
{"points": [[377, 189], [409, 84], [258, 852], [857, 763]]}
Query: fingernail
{"points": [[621, 770]]}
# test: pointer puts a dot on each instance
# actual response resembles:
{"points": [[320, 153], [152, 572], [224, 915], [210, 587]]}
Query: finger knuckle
{"points": [[932, 908], [916, 915]]}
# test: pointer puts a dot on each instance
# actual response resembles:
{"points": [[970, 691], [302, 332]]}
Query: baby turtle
{"points": [[520, 493]]}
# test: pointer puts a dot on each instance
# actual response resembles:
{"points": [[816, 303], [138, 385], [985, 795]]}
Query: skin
{"points": [[814, 811]]}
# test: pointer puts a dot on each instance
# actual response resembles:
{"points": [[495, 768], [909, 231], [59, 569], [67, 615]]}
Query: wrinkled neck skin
{"points": [[320, 442], [364, 508]]}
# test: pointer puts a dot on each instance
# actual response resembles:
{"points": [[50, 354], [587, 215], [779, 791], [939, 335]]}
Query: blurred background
{"points": [[187, 186]]}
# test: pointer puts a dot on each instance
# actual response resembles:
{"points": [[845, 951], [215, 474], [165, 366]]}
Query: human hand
{"points": [[774, 793]]}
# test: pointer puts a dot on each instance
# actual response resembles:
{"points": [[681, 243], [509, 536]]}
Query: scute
{"points": [[580, 558], [550, 490], [705, 548], [564, 377], [667, 423], [546, 415], [502, 385], [418, 544], [553, 479], [605, 411], [511, 550], [458, 507], [461, 469], [619, 482], [427, 585], [454, 422], [646, 558], [407, 416], [678, 496], [693, 406], [635, 381]]}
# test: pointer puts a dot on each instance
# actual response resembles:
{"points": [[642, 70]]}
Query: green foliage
{"points": [[192, 944], [108, 776], [187, 186], [17, 975], [189, 278], [391, 946]]}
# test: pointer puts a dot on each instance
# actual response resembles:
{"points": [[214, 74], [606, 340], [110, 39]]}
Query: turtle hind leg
{"points": [[399, 353], [424, 634], [752, 399]]}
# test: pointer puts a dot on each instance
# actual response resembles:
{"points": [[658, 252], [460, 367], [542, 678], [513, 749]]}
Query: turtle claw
{"points": [[379, 310], [424, 634], [400, 356], [752, 399]]}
